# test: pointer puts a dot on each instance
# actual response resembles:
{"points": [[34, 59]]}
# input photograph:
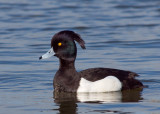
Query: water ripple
{"points": [[120, 34]]}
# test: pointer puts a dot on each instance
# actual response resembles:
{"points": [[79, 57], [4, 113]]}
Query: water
{"points": [[120, 34]]}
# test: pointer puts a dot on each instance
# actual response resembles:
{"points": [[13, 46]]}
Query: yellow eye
{"points": [[59, 44]]}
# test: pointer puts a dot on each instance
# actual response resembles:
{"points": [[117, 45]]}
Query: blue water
{"points": [[122, 34]]}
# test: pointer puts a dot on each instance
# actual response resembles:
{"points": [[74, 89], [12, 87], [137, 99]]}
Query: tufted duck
{"points": [[67, 79]]}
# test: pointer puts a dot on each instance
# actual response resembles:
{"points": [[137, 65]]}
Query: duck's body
{"points": [[67, 79]]}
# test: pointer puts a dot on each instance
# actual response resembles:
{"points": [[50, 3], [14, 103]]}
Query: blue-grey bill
{"points": [[50, 53]]}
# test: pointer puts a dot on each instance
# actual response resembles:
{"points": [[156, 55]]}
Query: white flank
{"points": [[108, 84]]}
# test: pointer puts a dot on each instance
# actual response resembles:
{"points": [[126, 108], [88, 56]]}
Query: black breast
{"points": [[66, 81]]}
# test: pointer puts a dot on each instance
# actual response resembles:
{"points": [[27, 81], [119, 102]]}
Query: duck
{"points": [[68, 79]]}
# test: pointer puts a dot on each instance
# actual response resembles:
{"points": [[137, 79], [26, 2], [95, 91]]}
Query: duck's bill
{"points": [[50, 53]]}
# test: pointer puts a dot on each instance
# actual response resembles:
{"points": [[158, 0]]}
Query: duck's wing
{"points": [[94, 74], [126, 77]]}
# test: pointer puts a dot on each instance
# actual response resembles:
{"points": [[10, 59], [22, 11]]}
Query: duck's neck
{"points": [[66, 65]]}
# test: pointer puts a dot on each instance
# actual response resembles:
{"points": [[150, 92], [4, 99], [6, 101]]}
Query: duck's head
{"points": [[63, 45]]}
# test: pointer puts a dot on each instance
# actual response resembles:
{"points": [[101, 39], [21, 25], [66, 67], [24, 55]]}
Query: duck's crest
{"points": [[74, 36]]}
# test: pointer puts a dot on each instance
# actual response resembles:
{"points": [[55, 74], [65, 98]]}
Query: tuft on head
{"points": [[74, 36]]}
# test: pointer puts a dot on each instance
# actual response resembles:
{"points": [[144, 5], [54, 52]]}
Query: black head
{"points": [[64, 46]]}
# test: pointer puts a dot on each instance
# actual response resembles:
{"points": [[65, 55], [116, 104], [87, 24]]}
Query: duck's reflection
{"points": [[131, 96], [68, 101], [100, 97]]}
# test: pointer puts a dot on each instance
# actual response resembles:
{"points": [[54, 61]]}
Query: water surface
{"points": [[120, 34]]}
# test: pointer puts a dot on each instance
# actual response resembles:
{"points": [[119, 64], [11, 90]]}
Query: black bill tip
{"points": [[40, 57]]}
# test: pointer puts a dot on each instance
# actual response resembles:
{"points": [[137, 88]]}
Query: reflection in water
{"points": [[100, 97], [68, 101], [131, 96], [68, 107]]}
